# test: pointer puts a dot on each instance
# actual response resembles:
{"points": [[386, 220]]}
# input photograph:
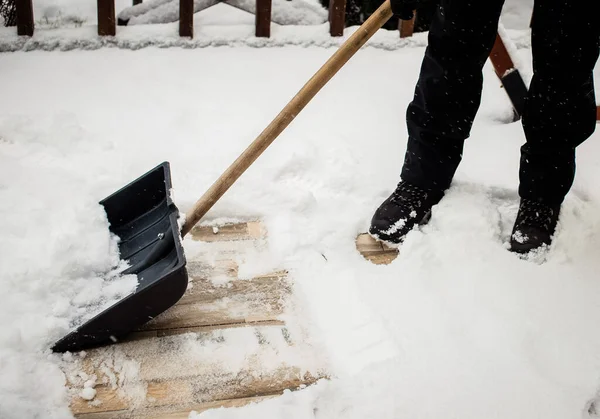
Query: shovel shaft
{"points": [[287, 115]]}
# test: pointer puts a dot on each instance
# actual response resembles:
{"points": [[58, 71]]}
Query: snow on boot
{"points": [[534, 226], [406, 207]]}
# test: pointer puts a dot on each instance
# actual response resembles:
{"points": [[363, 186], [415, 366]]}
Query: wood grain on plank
{"points": [[251, 230], [173, 373], [174, 413], [238, 302], [177, 396], [238, 350], [375, 251]]}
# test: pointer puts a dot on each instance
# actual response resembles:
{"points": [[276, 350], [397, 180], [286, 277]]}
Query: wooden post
{"points": [[509, 75], [106, 18], [337, 17], [598, 113], [263, 18], [186, 18], [24, 17], [407, 27]]}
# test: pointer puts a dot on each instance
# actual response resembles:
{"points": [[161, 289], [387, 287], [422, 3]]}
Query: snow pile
{"points": [[167, 35], [69, 13], [159, 11], [58, 259]]}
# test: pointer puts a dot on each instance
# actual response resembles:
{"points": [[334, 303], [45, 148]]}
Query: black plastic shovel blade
{"points": [[144, 217]]}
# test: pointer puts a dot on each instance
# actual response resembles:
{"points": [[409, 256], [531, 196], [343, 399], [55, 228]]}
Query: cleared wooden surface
{"points": [[175, 374], [239, 231], [182, 414], [223, 344], [375, 251]]}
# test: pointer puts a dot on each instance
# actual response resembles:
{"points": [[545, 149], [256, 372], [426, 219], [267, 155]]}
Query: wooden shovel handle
{"points": [[287, 115]]}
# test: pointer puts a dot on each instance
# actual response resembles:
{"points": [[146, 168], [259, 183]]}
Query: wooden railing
{"points": [[107, 21]]}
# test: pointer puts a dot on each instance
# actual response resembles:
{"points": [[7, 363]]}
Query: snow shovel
{"points": [[144, 217]]}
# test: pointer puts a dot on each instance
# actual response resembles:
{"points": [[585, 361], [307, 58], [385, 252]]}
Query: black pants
{"points": [[560, 110]]}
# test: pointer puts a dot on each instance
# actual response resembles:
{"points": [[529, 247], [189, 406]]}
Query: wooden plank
{"points": [[158, 394], [186, 18], [25, 22], [337, 17], [241, 302], [263, 18], [221, 345], [172, 374], [407, 27], [175, 414], [107, 24], [173, 397], [375, 251], [251, 230]]}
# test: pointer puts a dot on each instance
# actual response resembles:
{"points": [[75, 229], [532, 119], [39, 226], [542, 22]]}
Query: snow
{"points": [[283, 12], [456, 326], [88, 393], [69, 13], [167, 35], [66, 13]]}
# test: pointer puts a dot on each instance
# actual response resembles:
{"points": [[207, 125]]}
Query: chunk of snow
{"points": [[88, 393]]}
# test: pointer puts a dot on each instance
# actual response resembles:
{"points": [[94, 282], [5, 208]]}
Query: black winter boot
{"points": [[405, 208], [534, 226]]}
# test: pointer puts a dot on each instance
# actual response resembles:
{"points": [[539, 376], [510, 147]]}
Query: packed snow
{"points": [[456, 326]]}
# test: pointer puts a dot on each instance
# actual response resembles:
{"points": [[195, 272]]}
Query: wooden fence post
{"points": [[509, 75], [407, 27], [263, 18], [186, 18], [598, 113], [25, 23], [107, 25], [337, 17]]}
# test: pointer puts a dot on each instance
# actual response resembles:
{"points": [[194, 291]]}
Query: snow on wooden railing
{"points": [[107, 19]]}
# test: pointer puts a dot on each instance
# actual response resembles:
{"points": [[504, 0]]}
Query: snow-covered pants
{"points": [[560, 109]]}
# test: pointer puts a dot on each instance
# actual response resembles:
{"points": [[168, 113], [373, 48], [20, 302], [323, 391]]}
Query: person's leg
{"points": [[439, 119], [559, 113], [448, 92]]}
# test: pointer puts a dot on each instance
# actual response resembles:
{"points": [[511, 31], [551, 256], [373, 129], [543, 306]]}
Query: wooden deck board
{"points": [[375, 251], [242, 301], [174, 373], [251, 230], [174, 413], [222, 344]]}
